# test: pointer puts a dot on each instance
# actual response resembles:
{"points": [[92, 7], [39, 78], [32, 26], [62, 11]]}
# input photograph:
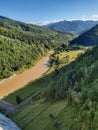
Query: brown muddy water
{"points": [[18, 81]]}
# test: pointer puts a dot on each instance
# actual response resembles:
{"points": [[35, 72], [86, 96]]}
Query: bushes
{"points": [[2, 110], [18, 99]]}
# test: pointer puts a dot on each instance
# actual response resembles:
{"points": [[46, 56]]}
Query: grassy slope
{"points": [[82, 108], [72, 54], [36, 115]]}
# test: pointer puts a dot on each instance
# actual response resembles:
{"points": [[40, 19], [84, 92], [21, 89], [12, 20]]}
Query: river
{"points": [[18, 81]]}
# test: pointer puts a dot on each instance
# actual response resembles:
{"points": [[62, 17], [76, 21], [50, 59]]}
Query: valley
{"points": [[41, 83], [64, 93]]}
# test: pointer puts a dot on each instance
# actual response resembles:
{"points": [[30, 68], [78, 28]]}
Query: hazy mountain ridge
{"points": [[75, 26]]}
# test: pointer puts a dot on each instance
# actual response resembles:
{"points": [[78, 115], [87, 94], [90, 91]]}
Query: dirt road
{"points": [[18, 81]]}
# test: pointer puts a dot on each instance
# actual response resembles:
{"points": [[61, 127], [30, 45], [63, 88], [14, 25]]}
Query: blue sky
{"points": [[44, 11]]}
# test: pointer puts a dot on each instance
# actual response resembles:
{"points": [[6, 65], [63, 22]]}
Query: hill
{"points": [[89, 38], [21, 44], [68, 97], [74, 27]]}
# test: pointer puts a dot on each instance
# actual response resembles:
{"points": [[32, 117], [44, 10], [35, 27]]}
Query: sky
{"points": [[46, 11]]}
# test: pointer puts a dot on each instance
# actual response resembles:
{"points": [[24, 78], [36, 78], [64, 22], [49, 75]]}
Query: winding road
{"points": [[19, 80]]}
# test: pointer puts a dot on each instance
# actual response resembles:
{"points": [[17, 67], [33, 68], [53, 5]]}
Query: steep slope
{"points": [[75, 26], [77, 83], [21, 44], [89, 38]]}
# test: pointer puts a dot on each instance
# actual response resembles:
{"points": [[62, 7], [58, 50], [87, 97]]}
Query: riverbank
{"points": [[18, 81]]}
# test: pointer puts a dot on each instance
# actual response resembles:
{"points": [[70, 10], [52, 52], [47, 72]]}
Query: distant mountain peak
{"points": [[74, 26]]}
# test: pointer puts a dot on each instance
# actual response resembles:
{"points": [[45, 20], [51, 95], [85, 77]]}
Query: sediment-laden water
{"points": [[18, 81]]}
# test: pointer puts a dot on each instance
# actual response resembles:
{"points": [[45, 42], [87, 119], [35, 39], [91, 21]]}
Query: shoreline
{"points": [[18, 81]]}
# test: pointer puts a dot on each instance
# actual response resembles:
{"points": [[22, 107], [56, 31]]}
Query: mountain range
{"points": [[74, 27]]}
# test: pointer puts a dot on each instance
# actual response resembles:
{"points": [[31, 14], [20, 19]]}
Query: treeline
{"points": [[15, 55], [88, 38], [21, 45], [78, 84]]}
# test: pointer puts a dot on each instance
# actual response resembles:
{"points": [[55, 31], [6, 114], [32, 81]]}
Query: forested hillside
{"points": [[82, 72], [21, 44], [89, 38], [76, 84], [67, 96]]}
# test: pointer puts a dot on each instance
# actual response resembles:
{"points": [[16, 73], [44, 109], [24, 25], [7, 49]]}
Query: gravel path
{"points": [[9, 108]]}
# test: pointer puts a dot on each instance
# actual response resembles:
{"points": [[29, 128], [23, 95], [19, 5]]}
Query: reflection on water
{"points": [[46, 62], [7, 124]]}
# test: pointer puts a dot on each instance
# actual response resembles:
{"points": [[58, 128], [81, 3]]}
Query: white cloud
{"points": [[82, 18], [44, 22], [47, 22], [31, 22], [94, 17]]}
